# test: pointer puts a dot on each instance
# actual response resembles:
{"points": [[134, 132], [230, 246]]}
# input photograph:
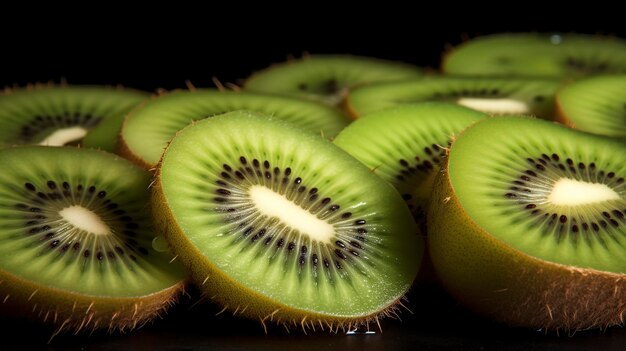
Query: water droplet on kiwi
{"points": [[159, 244]]}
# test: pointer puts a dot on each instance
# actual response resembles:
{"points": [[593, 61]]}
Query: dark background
{"points": [[166, 52], [87, 48]]}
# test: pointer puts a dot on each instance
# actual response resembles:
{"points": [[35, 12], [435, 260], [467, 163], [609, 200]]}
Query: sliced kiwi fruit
{"points": [[280, 225], [148, 129], [596, 105], [534, 54], [489, 95], [527, 224], [405, 145], [63, 115], [327, 77], [76, 241]]}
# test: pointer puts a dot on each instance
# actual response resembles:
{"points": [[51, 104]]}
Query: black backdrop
{"points": [[167, 52]]}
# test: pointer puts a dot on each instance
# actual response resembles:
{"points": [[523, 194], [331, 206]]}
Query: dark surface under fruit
{"points": [[436, 323]]}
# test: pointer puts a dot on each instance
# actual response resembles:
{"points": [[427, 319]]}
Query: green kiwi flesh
{"points": [[596, 105], [489, 95], [527, 223], [76, 242], [405, 145], [278, 224], [60, 115], [327, 77], [533, 54], [148, 129]]}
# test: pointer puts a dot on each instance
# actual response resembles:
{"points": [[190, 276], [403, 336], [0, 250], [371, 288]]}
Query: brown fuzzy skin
{"points": [[122, 147], [237, 298], [560, 116], [349, 110], [69, 311], [503, 283], [124, 151]]}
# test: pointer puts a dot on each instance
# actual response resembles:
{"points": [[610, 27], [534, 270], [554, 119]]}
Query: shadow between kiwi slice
{"points": [[280, 225], [76, 241], [527, 224]]}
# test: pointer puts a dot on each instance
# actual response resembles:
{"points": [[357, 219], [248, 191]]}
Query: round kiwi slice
{"points": [[148, 129], [534, 54], [327, 77], [62, 115], [489, 95], [596, 105], [527, 224], [76, 241], [405, 145], [280, 225]]}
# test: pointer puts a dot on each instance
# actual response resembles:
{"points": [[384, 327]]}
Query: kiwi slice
{"points": [[76, 241], [489, 95], [596, 105], [534, 54], [279, 225], [405, 145], [61, 115], [327, 77], [148, 129], [527, 224]]}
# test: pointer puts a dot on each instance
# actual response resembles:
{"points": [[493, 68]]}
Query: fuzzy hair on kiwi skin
{"points": [[78, 312], [562, 297]]}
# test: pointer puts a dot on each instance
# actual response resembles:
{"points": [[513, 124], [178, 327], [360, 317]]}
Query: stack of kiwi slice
{"points": [[280, 208]]}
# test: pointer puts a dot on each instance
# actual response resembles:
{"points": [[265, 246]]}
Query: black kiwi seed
{"points": [[296, 191]]}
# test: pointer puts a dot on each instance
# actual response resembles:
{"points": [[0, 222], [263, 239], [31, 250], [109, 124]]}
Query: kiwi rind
{"points": [[64, 101], [72, 312], [251, 302], [79, 307], [506, 284]]}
